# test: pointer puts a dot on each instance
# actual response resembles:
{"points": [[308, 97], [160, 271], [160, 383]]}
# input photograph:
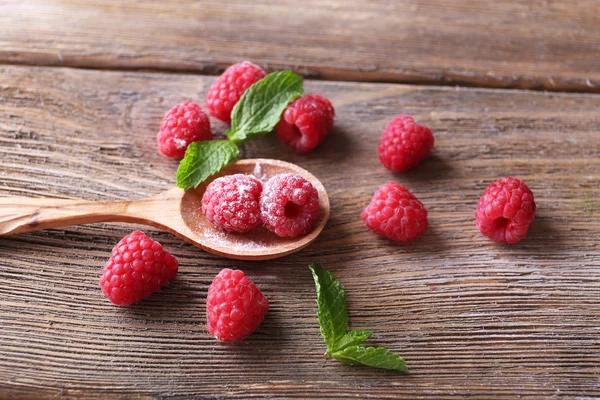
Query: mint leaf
{"points": [[203, 159], [260, 107], [331, 309], [352, 338], [374, 357], [333, 321], [256, 113], [360, 336]]}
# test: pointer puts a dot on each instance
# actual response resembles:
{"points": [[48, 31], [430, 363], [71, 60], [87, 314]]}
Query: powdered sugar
{"points": [[180, 143], [259, 173], [220, 238], [244, 188]]}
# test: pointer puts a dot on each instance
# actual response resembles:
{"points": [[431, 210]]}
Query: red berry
{"points": [[505, 210], [225, 92], [305, 122], [395, 213], [404, 143], [289, 205], [137, 268], [234, 306], [231, 202], [183, 124]]}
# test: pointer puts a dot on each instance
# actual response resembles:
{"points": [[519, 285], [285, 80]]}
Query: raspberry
{"points": [[183, 124], [137, 268], [306, 122], [395, 213], [234, 306], [505, 210], [404, 143], [231, 202], [289, 205], [229, 87]]}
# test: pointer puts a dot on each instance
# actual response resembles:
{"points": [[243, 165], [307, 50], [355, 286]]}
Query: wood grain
{"points": [[472, 318], [546, 44]]}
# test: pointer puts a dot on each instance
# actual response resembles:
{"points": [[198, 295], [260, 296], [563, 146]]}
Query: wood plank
{"points": [[551, 45], [470, 317]]}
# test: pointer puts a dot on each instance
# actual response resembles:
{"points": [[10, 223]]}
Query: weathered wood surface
{"points": [[471, 318], [549, 44]]}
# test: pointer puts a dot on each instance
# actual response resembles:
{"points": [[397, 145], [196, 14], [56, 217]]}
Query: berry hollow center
{"points": [[502, 222], [297, 133], [292, 210]]}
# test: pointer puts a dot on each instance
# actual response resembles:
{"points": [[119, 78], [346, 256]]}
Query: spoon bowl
{"points": [[176, 211], [259, 243]]}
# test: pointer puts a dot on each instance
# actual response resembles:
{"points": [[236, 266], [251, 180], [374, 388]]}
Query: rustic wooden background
{"points": [[550, 44], [471, 318]]}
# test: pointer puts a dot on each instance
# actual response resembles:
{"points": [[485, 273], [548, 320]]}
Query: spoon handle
{"points": [[24, 214]]}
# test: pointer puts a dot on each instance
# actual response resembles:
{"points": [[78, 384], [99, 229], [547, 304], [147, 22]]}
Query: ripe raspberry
{"points": [[229, 87], [234, 306], [183, 124], [231, 202], [404, 143], [289, 205], [505, 210], [137, 268], [395, 213], [305, 122]]}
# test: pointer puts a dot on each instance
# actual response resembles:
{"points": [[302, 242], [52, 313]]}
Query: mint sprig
{"points": [[342, 345], [203, 159], [256, 113], [378, 357], [331, 301], [260, 107]]}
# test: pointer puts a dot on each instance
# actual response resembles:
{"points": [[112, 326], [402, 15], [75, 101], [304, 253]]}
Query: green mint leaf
{"points": [[260, 107], [372, 356], [333, 320], [203, 159], [331, 307], [352, 338]]}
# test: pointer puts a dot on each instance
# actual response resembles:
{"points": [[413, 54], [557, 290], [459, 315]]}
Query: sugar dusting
{"points": [[243, 189], [259, 173], [240, 241], [180, 143]]}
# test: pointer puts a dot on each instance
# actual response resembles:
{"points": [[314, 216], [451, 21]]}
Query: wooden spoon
{"points": [[176, 211]]}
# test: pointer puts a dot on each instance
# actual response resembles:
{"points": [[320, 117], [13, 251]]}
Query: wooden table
{"points": [[83, 86]]}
